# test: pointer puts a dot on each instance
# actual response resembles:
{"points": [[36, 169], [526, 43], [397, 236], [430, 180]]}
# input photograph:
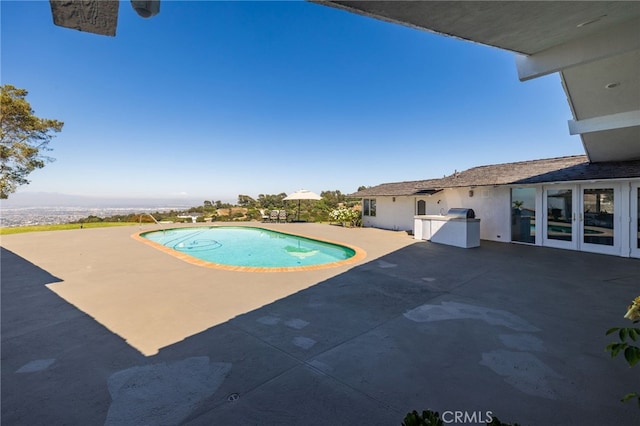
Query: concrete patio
{"points": [[98, 328]]}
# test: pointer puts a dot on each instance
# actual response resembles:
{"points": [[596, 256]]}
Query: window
{"points": [[422, 207], [369, 207]]}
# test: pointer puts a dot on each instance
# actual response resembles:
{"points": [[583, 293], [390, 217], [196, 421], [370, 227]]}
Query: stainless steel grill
{"points": [[461, 213]]}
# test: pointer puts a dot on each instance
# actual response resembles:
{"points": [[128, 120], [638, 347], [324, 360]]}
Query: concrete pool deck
{"points": [[98, 328]]}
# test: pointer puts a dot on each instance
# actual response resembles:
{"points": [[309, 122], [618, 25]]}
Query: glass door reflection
{"points": [[637, 220], [598, 213], [523, 215], [634, 235], [559, 214]]}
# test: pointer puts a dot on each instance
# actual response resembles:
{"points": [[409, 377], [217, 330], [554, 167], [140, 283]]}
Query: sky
{"points": [[212, 99]]}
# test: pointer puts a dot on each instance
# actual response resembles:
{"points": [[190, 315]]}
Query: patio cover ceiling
{"points": [[594, 45]]}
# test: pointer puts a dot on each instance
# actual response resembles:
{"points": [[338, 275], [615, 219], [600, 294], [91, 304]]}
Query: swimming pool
{"points": [[250, 248]]}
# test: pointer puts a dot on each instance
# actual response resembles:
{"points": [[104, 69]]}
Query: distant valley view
{"points": [[50, 209], [25, 209]]}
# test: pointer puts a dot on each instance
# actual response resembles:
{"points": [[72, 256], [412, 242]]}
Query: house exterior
{"points": [[565, 202]]}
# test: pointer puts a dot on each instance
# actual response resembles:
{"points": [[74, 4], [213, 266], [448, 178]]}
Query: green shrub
{"points": [[348, 217], [427, 418]]}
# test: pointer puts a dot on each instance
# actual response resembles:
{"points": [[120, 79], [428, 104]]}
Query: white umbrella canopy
{"points": [[302, 194]]}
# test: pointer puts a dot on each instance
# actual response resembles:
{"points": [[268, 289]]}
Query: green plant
{"points": [[427, 418], [631, 352]]}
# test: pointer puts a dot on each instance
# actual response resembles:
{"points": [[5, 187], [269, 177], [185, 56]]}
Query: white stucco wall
{"points": [[394, 215], [434, 204], [491, 206]]}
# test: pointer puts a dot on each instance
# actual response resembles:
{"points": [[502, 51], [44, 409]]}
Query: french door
{"points": [[559, 222], [583, 217], [635, 219], [600, 218]]}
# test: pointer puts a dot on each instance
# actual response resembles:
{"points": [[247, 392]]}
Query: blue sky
{"points": [[213, 99]]}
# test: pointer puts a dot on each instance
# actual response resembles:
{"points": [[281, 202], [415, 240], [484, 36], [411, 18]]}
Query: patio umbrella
{"points": [[300, 195]]}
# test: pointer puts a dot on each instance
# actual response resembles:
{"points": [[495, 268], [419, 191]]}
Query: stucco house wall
{"points": [[393, 215], [491, 206]]}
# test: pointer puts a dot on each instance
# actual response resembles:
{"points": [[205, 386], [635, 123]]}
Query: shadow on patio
{"points": [[517, 331]]}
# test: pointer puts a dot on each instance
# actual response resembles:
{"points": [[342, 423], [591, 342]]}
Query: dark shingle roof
{"points": [[399, 188], [561, 169]]}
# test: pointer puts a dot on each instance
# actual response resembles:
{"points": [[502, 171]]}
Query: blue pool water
{"points": [[249, 246]]}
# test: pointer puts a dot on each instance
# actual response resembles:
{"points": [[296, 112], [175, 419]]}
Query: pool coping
{"points": [[359, 254]]}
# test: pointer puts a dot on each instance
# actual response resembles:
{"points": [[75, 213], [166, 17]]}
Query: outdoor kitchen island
{"points": [[458, 227]]}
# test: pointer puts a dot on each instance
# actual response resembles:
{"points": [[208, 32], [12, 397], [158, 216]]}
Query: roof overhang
{"points": [[427, 191], [594, 45]]}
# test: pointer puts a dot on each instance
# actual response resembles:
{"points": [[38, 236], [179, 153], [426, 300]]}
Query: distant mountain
{"points": [[48, 199]]}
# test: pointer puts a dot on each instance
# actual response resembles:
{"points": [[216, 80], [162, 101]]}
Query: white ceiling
{"points": [[592, 44]]}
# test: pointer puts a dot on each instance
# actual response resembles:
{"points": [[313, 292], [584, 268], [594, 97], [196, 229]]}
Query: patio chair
{"points": [[265, 216], [282, 216], [273, 216]]}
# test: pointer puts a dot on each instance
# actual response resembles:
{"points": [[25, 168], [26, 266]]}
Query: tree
{"points": [[246, 201], [23, 139], [334, 198], [271, 201]]}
